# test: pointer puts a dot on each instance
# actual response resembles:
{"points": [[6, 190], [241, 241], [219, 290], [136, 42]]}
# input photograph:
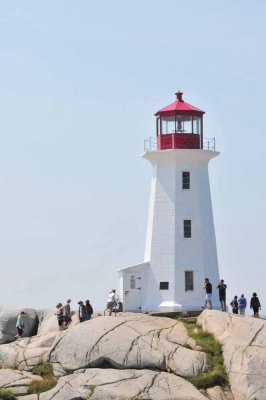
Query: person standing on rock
{"points": [[20, 324], [89, 310], [59, 312], [111, 301], [67, 313], [234, 305], [242, 304], [208, 298], [222, 294], [82, 311], [255, 304]]}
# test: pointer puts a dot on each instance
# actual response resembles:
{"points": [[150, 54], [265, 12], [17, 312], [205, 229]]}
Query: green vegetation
{"points": [[6, 395], [216, 373], [43, 370], [48, 382]]}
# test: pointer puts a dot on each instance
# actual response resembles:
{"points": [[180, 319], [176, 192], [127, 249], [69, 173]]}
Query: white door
{"points": [[132, 292]]}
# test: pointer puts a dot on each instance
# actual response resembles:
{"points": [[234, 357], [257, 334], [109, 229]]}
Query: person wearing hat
{"points": [[82, 311], [20, 324]]}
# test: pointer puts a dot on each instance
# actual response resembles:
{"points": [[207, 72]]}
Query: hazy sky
{"points": [[79, 84]]}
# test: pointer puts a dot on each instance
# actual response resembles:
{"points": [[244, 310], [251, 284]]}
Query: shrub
{"points": [[44, 370], [42, 386], [48, 382]]}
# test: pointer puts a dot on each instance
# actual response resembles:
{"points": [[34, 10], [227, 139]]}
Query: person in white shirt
{"points": [[111, 301]]}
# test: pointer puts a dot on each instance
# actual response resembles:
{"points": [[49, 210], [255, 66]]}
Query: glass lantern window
{"points": [[168, 124], [183, 124], [197, 125]]}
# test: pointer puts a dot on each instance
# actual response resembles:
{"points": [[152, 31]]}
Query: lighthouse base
{"points": [[170, 306]]}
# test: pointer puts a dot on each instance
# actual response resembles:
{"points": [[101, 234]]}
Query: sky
{"points": [[80, 82]]}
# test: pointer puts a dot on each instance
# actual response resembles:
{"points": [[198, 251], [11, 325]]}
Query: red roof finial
{"points": [[179, 95]]}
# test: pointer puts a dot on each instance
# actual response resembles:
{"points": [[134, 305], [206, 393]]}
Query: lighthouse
{"points": [[180, 250]]}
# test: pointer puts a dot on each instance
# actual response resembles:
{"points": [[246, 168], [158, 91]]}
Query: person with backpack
{"points": [[59, 312], [89, 310], [242, 304], [234, 305], [20, 324], [255, 304], [82, 311]]}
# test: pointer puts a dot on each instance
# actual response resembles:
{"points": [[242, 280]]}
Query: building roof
{"points": [[179, 106]]}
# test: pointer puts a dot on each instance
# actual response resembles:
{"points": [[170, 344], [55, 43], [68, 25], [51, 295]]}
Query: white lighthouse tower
{"points": [[180, 247]]}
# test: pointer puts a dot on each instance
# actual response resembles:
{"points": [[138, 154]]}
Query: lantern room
{"points": [[179, 126]]}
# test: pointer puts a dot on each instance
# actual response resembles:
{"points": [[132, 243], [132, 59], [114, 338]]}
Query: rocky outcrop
{"points": [[243, 340], [16, 381], [128, 341], [110, 384], [27, 353], [8, 319]]}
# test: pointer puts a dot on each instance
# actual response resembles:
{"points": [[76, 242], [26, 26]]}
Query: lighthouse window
{"points": [[168, 125], [187, 228], [164, 285], [132, 282], [197, 125], [185, 180], [189, 284]]}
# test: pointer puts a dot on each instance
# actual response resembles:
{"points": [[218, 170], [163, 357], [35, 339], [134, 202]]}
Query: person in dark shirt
{"points": [[89, 310], [208, 298], [255, 304], [222, 294], [234, 305]]}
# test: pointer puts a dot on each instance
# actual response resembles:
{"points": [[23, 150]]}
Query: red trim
{"points": [[178, 141]]}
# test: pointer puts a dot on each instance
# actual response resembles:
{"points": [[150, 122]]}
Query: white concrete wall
{"points": [[170, 254]]}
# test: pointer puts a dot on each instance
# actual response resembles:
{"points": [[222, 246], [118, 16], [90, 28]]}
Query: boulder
{"points": [[48, 322], [27, 353], [219, 393], [16, 381], [243, 340], [110, 384], [8, 319], [132, 341]]}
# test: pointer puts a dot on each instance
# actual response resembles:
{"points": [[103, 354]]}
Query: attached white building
{"points": [[180, 247]]}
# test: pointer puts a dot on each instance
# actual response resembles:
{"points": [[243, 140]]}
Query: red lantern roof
{"points": [[179, 106]]}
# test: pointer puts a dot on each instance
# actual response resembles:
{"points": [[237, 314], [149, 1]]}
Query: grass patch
{"points": [[48, 382], [43, 370], [216, 373], [6, 395]]}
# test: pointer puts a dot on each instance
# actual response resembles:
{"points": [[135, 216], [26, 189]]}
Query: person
{"points": [[234, 305], [111, 301], [255, 304], [82, 311], [20, 324], [89, 310], [208, 298], [59, 312], [242, 304], [222, 294], [67, 313]]}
